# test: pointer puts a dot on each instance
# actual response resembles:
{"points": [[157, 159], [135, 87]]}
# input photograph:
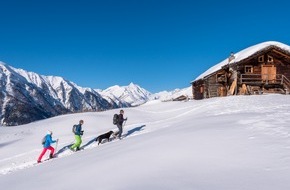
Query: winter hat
{"points": [[49, 132]]}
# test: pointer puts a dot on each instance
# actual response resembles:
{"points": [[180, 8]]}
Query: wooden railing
{"points": [[286, 82], [263, 79], [256, 79]]}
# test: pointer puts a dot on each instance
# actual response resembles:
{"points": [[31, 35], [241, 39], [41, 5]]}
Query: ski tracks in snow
{"points": [[172, 115], [29, 159]]}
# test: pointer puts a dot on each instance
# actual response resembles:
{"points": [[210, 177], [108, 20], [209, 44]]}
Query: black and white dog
{"points": [[104, 136]]}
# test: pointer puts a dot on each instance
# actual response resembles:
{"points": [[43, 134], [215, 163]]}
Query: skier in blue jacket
{"points": [[47, 146]]}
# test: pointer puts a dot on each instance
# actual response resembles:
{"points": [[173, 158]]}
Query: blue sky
{"points": [[158, 44]]}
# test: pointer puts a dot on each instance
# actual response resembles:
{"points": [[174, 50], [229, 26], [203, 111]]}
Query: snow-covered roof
{"points": [[243, 55]]}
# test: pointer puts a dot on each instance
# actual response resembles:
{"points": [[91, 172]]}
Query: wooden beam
{"points": [[281, 53], [233, 87]]}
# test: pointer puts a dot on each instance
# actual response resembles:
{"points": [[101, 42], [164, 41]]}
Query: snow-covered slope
{"points": [[243, 54], [238, 142]]}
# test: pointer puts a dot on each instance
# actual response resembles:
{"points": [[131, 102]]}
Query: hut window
{"points": [[248, 69], [270, 59], [261, 58]]}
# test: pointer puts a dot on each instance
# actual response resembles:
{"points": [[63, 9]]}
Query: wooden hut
{"points": [[262, 68], [181, 98]]}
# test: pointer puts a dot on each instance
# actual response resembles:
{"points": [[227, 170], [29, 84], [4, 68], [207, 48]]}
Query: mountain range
{"points": [[27, 96]]}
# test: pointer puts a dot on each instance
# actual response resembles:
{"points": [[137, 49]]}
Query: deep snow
{"points": [[238, 142]]}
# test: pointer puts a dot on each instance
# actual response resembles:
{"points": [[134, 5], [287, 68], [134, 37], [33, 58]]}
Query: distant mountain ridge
{"points": [[27, 96]]}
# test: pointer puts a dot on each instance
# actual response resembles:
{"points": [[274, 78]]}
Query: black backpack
{"points": [[43, 140], [115, 119], [74, 129]]}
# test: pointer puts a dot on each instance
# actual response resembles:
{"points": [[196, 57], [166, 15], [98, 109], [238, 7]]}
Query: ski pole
{"points": [[56, 145], [124, 123]]}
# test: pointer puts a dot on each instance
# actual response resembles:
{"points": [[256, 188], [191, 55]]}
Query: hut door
{"points": [[268, 73]]}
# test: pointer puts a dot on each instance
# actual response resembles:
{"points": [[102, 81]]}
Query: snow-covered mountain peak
{"points": [[132, 85], [132, 94]]}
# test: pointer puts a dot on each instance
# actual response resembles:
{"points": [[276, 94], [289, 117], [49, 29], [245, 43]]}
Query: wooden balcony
{"points": [[269, 80]]}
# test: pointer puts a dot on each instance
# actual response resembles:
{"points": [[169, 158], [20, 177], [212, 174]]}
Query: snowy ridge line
{"points": [[90, 144]]}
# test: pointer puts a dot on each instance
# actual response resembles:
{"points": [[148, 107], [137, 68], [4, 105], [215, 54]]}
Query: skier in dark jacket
{"points": [[78, 133], [46, 146], [120, 124]]}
